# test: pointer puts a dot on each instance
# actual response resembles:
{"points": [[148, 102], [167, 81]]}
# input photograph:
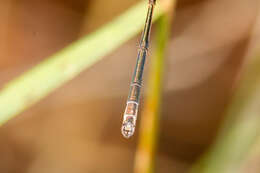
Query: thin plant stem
{"points": [[145, 154]]}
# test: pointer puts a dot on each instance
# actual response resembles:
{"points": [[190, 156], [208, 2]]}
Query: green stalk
{"points": [[145, 155], [241, 128], [55, 71]]}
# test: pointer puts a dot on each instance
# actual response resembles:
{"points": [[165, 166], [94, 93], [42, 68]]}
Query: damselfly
{"points": [[130, 115]]}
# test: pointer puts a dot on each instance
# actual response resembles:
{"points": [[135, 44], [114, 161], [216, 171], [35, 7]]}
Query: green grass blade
{"points": [[37, 83]]}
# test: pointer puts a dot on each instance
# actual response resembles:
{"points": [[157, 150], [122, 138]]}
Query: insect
{"points": [[130, 114]]}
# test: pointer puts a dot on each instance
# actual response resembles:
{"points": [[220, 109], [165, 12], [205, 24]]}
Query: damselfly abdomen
{"points": [[130, 115]]}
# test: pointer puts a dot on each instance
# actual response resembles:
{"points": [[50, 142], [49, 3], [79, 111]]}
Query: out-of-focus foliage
{"points": [[69, 131], [241, 128], [38, 82]]}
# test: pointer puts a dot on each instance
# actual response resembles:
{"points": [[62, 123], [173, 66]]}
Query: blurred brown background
{"points": [[77, 128]]}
